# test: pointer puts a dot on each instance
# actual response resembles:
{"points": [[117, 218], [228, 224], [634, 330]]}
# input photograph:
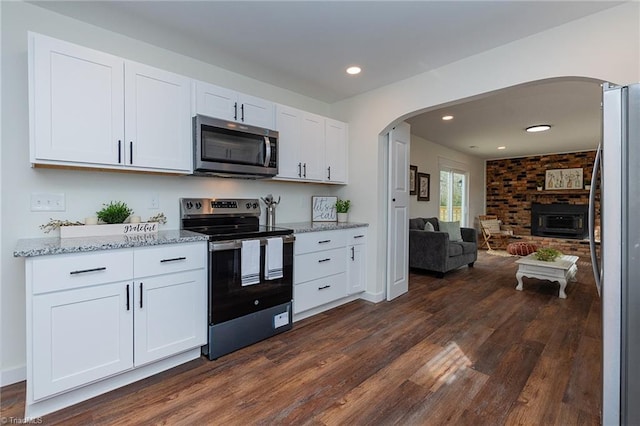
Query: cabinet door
{"points": [[80, 336], [171, 315], [256, 111], [336, 151], [157, 119], [313, 147], [76, 103], [289, 127], [217, 102]]}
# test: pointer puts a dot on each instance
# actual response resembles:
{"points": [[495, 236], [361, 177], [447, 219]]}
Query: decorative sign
{"points": [[563, 179], [323, 209], [102, 230]]}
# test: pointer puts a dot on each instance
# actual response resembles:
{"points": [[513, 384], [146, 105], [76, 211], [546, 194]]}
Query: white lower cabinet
{"points": [[95, 316], [328, 266]]}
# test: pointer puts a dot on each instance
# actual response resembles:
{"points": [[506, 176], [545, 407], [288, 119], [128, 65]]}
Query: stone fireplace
{"points": [[559, 220]]}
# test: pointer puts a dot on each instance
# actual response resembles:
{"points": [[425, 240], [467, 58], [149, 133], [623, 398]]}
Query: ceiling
{"points": [[305, 46]]}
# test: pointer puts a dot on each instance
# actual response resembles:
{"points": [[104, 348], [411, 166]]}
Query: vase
{"points": [[343, 217]]}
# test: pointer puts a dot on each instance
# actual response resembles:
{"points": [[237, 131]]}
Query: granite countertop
{"points": [[300, 227], [30, 247]]}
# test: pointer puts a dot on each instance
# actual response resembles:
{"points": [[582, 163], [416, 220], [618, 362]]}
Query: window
{"points": [[453, 195]]}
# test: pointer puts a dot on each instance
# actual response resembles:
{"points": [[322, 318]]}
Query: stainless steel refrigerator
{"points": [[617, 269]]}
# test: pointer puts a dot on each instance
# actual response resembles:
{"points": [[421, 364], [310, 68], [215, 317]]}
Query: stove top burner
{"points": [[226, 219]]}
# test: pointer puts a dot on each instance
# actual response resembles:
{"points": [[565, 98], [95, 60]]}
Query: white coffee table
{"points": [[562, 270]]}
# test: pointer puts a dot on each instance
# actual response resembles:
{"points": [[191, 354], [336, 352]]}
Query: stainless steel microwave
{"points": [[228, 149]]}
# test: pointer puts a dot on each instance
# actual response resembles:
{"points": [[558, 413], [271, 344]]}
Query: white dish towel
{"points": [[273, 259], [250, 262]]}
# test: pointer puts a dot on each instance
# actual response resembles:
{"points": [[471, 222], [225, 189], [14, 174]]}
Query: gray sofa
{"points": [[434, 252]]}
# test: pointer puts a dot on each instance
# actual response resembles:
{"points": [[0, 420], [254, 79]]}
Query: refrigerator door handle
{"points": [[597, 170]]}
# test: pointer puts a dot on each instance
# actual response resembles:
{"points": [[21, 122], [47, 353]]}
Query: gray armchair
{"points": [[433, 251]]}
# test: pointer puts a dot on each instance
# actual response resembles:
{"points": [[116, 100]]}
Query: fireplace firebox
{"points": [[559, 220]]}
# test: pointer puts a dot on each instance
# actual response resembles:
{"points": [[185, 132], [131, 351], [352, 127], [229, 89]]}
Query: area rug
{"points": [[502, 253]]}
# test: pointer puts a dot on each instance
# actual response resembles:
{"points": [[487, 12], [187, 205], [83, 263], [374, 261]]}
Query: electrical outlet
{"points": [[154, 201], [47, 202]]}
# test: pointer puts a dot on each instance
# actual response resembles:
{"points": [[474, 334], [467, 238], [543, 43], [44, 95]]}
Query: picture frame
{"points": [[323, 208], [556, 179], [424, 186], [413, 171]]}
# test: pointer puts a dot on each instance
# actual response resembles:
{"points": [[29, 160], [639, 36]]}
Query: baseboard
{"points": [[373, 297], [13, 375]]}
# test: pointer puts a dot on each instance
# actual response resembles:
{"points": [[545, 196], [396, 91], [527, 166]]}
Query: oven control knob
{"points": [[248, 205], [189, 205], [256, 302], [198, 205], [255, 205]]}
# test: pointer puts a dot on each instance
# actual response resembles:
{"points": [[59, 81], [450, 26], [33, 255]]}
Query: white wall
{"points": [[86, 191], [427, 156]]}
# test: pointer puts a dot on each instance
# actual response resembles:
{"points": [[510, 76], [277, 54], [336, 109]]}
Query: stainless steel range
{"points": [[250, 272]]}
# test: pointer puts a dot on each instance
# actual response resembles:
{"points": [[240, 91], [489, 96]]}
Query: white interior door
{"points": [[398, 214]]}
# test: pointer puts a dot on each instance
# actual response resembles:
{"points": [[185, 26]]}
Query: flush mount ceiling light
{"points": [[502, 147], [447, 117], [538, 128], [353, 70]]}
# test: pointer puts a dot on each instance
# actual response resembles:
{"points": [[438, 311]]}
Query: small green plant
{"points": [[114, 212], [540, 183], [342, 206], [547, 254]]}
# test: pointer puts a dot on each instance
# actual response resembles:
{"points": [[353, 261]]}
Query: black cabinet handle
{"points": [[304, 167], [130, 152], [128, 297], [324, 287], [235, 111], [84, 271], [242, 112], [358, 236], [119, 151], [141, 295], [324, 260], [329, 173], [299, 169], [175, 259], [324, 241], [353, 253]]}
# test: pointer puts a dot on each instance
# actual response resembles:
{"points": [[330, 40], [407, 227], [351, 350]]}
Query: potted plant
{"points": [[342, 208], [547, 254], [114, 212], [540, 184]]}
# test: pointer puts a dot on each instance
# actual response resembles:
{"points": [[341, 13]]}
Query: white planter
{"points": [[102, 230], [343, 217]]}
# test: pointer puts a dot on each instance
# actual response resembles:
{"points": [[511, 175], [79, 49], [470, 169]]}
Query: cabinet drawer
{"points": [[309, 242], [171, 258], [357, 236], [318, 292], [70, 271], [311, 266]]}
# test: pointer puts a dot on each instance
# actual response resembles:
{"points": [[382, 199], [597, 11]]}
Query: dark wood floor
{"points": [[466, 350]]}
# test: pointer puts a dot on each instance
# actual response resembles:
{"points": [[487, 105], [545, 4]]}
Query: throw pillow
{"points": [[453, 229], [428, 227]]}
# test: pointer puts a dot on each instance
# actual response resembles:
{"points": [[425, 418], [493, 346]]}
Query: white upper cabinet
{"points": [[336, 151], [218, 102], [76, 103], [157, 118], [92, 109], [311, 147]]}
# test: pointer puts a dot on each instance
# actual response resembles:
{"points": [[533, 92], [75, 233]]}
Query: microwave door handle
{"points": [[267, 148]]}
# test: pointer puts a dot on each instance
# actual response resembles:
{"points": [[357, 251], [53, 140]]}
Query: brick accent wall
{"points": [[511, 186]]}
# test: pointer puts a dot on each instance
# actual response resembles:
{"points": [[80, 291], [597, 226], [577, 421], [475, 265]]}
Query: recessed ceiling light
{"points": [[447, 117], [354, 70], [502, 147], [538, 128]]}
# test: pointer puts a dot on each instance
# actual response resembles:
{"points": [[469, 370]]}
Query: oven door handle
{"points": [[236, 244]]}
